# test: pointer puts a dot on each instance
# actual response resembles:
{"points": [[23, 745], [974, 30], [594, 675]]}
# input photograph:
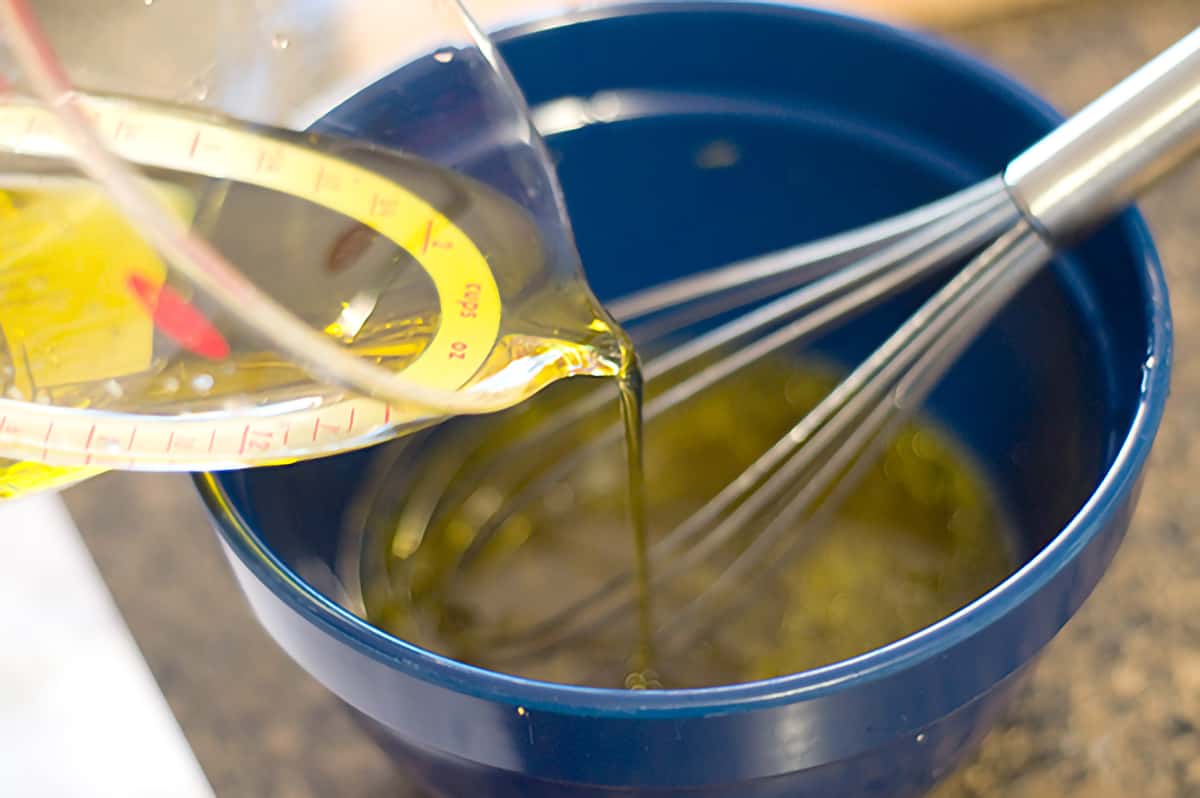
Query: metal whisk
{"points": [[1050, 195]]}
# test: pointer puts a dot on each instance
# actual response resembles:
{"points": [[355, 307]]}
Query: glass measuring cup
{"points": [[234, 243]]}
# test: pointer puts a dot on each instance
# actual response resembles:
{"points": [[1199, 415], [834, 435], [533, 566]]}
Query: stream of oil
{"points": [[630, 388]]}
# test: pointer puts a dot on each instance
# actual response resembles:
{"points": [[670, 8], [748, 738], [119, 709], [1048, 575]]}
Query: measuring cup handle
{"points": [[1112, 150]]}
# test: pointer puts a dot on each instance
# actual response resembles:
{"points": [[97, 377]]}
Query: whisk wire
{"points": [[812, 259], [829, 449], [817, 307], [982, 209], [762, 483], [915, 359]]}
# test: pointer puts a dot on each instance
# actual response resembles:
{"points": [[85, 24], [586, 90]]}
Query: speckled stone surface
{"points": [[1113, 709]]}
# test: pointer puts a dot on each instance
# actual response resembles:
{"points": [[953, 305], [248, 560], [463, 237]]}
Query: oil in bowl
{"points": [[921, 535]]}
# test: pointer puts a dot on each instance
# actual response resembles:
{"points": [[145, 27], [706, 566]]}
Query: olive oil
{"points": [[630, 388], [921, 536]]}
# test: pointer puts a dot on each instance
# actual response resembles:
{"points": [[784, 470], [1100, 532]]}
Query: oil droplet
{"points": [[114, 389], [521, 711], [171, 384], [921, 738], [280, 42], [643, 680], [202, 382], [148, 2], [444, 56], [1151, 362]]}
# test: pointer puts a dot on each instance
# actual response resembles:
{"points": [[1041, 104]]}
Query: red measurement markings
{"points": [[287, 433], [180, 442], [177, 319], [124, 131], [428, 235], [430, 242], [46, 442], [268, 161], [458, 351], [468, 305], [259, 440], [387, 414], [382, 206], [212, 440], [319, 426], [108, 443], [87, 445], [326, 181], [129, 446], [208, 146]]}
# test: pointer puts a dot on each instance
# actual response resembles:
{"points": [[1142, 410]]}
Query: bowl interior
{"points": [[682, 161]]}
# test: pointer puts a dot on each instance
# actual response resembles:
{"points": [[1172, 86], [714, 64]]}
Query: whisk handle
{"points": [[1104, 156]]}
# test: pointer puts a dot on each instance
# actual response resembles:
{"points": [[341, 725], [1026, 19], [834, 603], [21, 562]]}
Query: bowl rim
{"points": [[1101, 507]]}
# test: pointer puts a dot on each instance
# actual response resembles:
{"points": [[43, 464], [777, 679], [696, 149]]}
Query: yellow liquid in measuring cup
{"points": [[408, 265]]}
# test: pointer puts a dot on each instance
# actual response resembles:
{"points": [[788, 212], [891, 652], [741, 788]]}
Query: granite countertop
{"points": [[1112, 710]]}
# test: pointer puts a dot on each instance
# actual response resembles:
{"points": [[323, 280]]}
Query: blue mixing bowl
{"points": [[716, 131]]}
